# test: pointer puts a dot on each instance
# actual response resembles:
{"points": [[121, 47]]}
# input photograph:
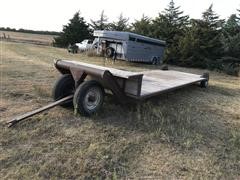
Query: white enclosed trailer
{"points": [[129, 46]]}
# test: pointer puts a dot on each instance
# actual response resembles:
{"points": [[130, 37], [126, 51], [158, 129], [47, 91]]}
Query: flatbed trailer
{"points": [[90, 82], [136, 85], [84, 85]]}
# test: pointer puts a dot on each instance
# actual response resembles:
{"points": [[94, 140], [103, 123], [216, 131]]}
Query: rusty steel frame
{"points": [[105, 77]]}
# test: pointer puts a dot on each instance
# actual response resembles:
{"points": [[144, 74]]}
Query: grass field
{"points": [[192, 133], [27, 37]]}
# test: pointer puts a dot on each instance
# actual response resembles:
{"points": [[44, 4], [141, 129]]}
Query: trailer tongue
{"points": [[83, 85], [37, 111]]}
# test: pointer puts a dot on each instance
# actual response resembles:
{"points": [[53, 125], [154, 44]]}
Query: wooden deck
{"points": [[159, 81], [141, 85]]}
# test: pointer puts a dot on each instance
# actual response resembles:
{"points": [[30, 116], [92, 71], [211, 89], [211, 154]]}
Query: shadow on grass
{"points": [[182, 120]]}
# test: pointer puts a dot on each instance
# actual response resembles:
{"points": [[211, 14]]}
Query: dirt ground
{"points": [[192, 133]]}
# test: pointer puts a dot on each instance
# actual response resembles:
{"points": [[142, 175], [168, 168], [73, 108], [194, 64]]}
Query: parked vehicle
{"points": [[73, 48], [129, 46], [84, 45], [80, 47]]}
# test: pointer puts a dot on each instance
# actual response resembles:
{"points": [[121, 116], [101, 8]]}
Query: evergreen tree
{"points": [[232, 46], [230, 60], [162, 29], [190, 45], [170, 26], [211, 18], [231, 39], [202, 46], [212, 29], [238, 16], [101, 24], [143, 26], [75, 31], [175, 16], [120, 25], [232, 26]]}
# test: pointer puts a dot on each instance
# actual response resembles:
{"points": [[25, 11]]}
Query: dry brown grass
{"points": [[28, 37], [192, 133]]}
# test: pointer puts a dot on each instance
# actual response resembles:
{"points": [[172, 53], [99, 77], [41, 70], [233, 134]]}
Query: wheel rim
{"points": [[109, 52], [154, 61], [92, 98]]}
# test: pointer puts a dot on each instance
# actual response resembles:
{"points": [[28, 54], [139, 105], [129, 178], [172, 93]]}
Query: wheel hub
{"points": [[92, 98]]}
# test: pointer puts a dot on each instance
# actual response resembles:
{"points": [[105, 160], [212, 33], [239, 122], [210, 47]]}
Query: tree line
{"points": [[29, 31], [209, 42]]}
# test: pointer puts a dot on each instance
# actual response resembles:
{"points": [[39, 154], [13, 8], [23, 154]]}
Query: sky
{"points": [[53, 14]]}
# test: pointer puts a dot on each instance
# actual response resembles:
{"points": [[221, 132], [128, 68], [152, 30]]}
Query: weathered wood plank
{"points": [[158, 81]]}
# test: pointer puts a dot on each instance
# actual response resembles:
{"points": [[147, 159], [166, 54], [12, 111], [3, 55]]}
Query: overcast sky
{"points": [[52, 14]]}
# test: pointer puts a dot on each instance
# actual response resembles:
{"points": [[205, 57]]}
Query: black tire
{"points": [[158, 62], [164, 68], [63, 87], [88, 98], [109, 52], [204, 84], [155, 61]]}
